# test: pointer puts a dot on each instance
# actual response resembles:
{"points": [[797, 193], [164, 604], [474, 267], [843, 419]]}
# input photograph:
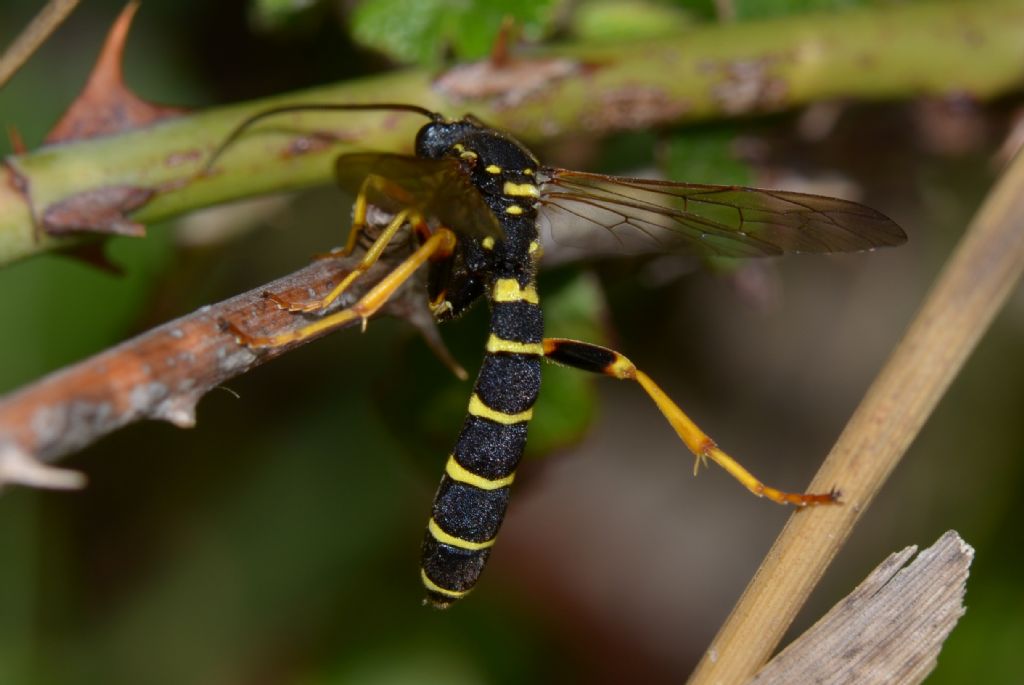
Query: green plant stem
{"points": [[730, 70]]}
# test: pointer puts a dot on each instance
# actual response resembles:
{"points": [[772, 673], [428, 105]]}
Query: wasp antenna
{"points": [[237, 132]]}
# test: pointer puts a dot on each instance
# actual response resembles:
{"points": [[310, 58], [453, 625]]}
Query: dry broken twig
{"points": [[161, 374], [889, 629]]}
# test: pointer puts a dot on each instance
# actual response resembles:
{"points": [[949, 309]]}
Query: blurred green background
{"points": [[278, 541]]}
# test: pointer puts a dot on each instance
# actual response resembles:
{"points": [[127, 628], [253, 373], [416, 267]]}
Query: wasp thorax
{"points": [[441, 139]]}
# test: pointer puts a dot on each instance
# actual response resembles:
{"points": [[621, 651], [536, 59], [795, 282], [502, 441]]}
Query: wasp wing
{"points": [[437, 188], [640, 215]]}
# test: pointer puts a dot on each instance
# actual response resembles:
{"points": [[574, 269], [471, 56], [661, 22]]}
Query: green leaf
{"points": [[705, 155], [615, 20], [421, 31], [285, 16]]}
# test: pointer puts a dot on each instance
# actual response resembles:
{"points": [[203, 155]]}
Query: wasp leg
{"points": [[359, 224], [369, 259], [355, 230], [598, 359], [359, 211], [438, 246]]}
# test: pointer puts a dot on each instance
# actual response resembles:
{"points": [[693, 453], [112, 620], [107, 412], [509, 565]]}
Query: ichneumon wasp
{"points": [[471, 203]]}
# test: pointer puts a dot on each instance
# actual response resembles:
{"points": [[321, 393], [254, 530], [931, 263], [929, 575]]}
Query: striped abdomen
{"points": [[471, 500]]}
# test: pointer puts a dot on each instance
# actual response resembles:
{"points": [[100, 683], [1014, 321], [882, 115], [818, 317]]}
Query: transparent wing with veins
{"points": [[619, 215]]}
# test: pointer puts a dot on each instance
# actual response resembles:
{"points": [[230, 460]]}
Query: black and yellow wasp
{"points": [[471, 203]]}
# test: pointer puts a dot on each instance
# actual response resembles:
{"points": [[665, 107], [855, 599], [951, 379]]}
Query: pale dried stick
{"points": [[34, 35], [962, 303]]}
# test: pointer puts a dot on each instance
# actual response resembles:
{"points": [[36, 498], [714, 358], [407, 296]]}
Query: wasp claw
{"points": [[699, 460], [278, 300], [334, 253], [293, 307], [241, 337]]}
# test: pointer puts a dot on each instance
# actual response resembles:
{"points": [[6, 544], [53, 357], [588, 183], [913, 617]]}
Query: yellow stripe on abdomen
{"points": [[500, 345], [461, 474], [434, 587], [455, 541], [478, 408], [508, 290]]}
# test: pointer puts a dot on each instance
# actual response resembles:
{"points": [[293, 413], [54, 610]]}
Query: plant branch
{"points": [[161, 374], [35, 34], [899, 50], [968, 293]]}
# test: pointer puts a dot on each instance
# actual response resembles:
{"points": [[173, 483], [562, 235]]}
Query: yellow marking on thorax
{"points": [[536, 249], [468, 154], [527, 172], [478, 408], [520, 189], [461, 474], [496, 345], [454, 541], [508, 290], [441, 307], [488, 243], [434, 587], [514, 210], [492, 169]]}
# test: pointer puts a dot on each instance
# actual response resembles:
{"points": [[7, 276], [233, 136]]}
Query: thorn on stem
{"points": [[21, 468]]}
